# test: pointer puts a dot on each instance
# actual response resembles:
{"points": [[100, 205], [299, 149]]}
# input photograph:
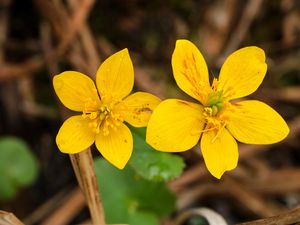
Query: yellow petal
{"points": [[190, 70], [115, 76], [242, 72], [175, 126], [138, 108], [116, 147], [220, 152], [74, 135], [74, 89], [255, 122]]}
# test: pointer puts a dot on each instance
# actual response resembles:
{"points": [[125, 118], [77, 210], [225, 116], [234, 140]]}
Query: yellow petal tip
{"points": [[56, 82], [218, 176], [218, 173], [120, 166], [183, 43]]}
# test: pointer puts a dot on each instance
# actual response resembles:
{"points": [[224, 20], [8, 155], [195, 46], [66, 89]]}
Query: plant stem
{"points": [[83, 166], [7, 218], [289, 217]]}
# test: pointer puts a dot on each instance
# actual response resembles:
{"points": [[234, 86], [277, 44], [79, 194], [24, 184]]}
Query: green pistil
{"points": [[215, 102], [104, 110]]}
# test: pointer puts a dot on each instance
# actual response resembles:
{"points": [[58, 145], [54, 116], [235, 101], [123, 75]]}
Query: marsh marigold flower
{"points": [[103, 111], [177, 125]]}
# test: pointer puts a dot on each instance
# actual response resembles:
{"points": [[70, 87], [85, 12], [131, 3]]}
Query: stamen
{"points": [[93, 115], [218, 133], [217, 119], [214, 110], [202, 131], [214, 85], [207, 111], [101, 118]]}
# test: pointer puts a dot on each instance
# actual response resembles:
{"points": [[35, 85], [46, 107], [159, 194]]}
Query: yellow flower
{"points": [[177, 125], [103, 111]]}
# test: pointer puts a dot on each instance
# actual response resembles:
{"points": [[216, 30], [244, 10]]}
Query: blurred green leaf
{"points": [[8, 189], [152, 164], [128, 198], [18, 166], [144, 218]]}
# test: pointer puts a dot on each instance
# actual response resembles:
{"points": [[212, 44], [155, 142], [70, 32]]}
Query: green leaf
{"points": [[152, 164], [18, 166], [8, 189], [127, 197], [144, 218]]}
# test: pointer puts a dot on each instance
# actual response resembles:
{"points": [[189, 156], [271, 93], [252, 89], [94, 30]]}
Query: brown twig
{"points": [[288, 94], [250, 200], [50, 12], [83, 166], [9, 71], [273, 183], [250, 12], [74, 25], [65, 213], [215, 31], [7, 218], [143, 80], [46, 208], [185, 198], [87, 41], [289, 218]]}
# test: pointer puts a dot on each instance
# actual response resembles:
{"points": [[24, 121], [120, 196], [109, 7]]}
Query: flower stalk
{"points": [[83, 167]]}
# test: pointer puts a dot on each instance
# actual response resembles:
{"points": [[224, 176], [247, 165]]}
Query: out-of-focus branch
{"points": [[290, 218], [7, 218]]}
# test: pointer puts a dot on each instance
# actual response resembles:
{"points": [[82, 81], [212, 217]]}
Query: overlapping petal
{"points": [[254, 122], [138, 108], [116, 147], [242, 72], [175, 126], [74, 135], [190, 69], [220, 152], [74, 89], [115, 76]]}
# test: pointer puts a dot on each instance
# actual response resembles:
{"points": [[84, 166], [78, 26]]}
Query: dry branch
{"points": [[7, 218], [84, 169], [290, 218], [68, 210]]}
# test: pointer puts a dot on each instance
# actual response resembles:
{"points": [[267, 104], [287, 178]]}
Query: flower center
{"points": [[216, 112], [214, 103], [102, 118]]}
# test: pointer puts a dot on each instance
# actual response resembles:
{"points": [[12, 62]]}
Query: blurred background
{"points": [[39, 39]]}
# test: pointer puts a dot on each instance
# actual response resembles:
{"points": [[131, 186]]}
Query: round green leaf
{"points": [[152, 164], [18, 166], [127, 196], [144, 218], [7, 189]]}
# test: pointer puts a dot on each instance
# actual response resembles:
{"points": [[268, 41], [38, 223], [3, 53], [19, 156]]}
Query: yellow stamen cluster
{"points": [[217, 120], [216, 110], [102, 118]]}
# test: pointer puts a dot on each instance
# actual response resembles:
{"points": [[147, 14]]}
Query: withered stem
{"points": [[83, 166]]}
